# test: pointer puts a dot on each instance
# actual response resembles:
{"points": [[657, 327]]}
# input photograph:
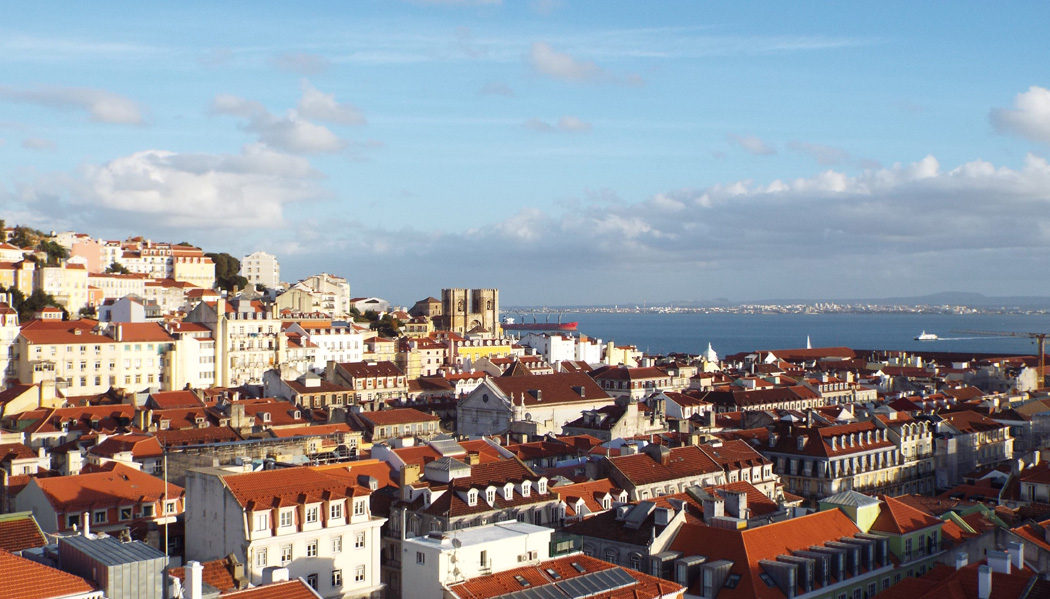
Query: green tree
{"points": [[227, 271], [22, 237], [55, 252], [36, 301], [117, 268]]}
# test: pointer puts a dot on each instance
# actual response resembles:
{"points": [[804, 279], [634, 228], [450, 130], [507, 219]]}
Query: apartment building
{"points": [[314, 521], [261, 268]]}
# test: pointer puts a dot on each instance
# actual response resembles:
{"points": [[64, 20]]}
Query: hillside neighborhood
{"points": [[181, 423]]}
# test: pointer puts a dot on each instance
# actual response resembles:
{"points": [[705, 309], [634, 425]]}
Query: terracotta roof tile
{"points": [[25, 579], [900, 518], [20, 531]]}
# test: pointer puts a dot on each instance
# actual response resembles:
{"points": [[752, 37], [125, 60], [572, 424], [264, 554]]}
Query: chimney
{"points": [[984, 582], [713, 508], [473, 458], [274, 574], [999, 561], [1016, 552], [409, 475], [85, 524], [194, 578], [736, 504], [961, 560]]}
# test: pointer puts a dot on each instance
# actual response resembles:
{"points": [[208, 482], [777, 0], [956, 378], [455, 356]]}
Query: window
{"points": [[312, 514], [359, 540], [125, 513], [311, 549], [169, 507], [311, 579], [260, 557], [147, 510], [337, 578], [286, 554], [484, 558], [490, 495], [72, 520], [337, 544], [359, 508], [100, 517], [359, 573], [336, 510], [286, 518], [421, 558], [262, 521]]}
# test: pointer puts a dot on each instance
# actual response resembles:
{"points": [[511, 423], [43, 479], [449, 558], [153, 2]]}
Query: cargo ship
{"points": [[510, 325]]}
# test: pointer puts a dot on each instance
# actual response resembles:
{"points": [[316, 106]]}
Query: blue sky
{"points": [[566, 152]]}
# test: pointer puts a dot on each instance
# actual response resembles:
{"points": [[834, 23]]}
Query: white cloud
{"points": [[1030, 117], [751, 144], [565, 124], [545, 60], [301, 63], [102, 106], [243, 190], [36, 143], [289, 132], [315, 104]]}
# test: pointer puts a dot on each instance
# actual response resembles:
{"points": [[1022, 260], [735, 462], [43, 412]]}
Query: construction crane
{"points": [[1040, 339]]}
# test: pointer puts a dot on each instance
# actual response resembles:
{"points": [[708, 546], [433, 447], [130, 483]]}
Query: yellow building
{"points": [[67, 284], [197, 270]]}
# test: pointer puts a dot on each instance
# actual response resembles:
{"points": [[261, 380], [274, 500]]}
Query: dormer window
{"points": [[526, 488], [265, 416], [490, 495], [606, 502], [313, 514], [508, 491], [541, 486], [472, 497]]}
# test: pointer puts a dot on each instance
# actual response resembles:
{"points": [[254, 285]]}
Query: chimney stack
{"points": [[984, 582], [194, 580]]}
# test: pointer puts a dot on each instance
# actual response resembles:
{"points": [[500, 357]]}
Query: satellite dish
{"points": [[457, 543]]}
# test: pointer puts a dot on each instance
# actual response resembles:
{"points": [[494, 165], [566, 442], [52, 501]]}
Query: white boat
{"points": [[924, 336]]}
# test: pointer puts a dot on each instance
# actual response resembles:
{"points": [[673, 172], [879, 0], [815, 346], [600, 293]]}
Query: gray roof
{"points": [[851, 497], [111, 552]]}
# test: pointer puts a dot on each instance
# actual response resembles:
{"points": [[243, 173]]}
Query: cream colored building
{"points": [[261, 268], [248, 339], [83, 358], [197, 270], [67, 284]]}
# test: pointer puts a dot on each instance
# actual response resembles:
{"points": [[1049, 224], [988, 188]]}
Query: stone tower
{"points": [[465, 310]]}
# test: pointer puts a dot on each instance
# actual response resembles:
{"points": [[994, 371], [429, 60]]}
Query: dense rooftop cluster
{"points": [[163, 437]]}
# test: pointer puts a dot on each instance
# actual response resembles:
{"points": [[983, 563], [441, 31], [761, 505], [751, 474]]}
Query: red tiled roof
{"points": [[553, 388], [26, 579], [215, 573], [900, 518], [746, 547], [112, 485], [20, 531], [397, 416], [293, 589], [537, 575], [140, 446], [165, 400], [289, 486], [968, 421], [683, 462]]}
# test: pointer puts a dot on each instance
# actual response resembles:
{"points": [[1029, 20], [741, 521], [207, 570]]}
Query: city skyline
{"points": [[564, 152]]}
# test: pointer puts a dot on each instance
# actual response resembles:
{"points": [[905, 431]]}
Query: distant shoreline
{"points": [[816, 309]]}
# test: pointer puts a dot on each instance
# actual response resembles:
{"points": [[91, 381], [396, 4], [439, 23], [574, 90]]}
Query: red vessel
{"points": [[510, 325]]}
